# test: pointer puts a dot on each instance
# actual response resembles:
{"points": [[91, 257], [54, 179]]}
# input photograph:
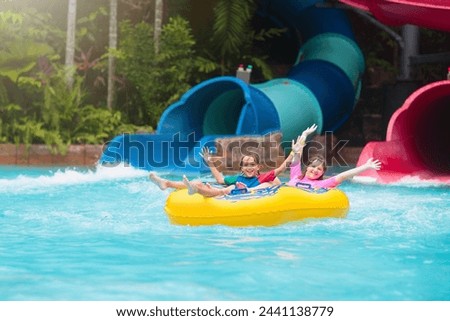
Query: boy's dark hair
{"points": [[255, 157]]}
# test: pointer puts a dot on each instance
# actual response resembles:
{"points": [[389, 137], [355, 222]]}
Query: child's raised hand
{"points": [[206, 154], [374, 164], [297, 146], [308, 131], [301, 140]]}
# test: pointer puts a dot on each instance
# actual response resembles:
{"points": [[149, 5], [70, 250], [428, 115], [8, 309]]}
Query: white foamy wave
{"points": [[416, 181], [68, 176], [364, 179], [408, 180]]}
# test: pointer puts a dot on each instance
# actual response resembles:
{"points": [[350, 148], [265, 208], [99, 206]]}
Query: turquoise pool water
{"points": [[102, 234]]}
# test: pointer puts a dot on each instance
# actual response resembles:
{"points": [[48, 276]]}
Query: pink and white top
{"points": [[296, 173]]}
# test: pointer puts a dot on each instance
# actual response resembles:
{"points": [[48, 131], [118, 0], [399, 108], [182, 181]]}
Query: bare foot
{"points": [[228, 189], [160, 182], [192, 188]]}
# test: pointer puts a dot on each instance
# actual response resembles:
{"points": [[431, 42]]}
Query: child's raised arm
{"points": [[297, 149], [370, 164], [206, 155], [301, 142]]}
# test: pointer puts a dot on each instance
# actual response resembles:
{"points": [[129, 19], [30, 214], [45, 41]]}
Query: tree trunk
{"points": [[112, 47], [158, 23], [70, 41]]}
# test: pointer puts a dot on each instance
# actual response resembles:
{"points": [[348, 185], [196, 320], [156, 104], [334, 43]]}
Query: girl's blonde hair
{"points": [[315, 161]]}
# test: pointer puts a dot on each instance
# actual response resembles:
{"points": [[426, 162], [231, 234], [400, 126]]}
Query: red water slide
{"points": [[434, 14], [418, 135], [417, 139]]}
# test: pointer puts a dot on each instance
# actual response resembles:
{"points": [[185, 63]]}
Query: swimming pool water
{"points": [[102, 234]]}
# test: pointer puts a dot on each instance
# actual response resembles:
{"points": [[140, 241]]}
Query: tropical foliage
{"points": [[60, 118], [37, 106], [234, 37], [157, 79], [24, 38]]}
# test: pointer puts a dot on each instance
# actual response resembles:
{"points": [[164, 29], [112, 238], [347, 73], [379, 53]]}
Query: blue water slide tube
{"points": [[322, 88]]}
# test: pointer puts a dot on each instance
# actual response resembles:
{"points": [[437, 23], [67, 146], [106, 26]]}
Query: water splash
{"points": [[408, 180], [107, 227], [69, 176]]}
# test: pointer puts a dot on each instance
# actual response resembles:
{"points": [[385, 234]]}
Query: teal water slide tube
{"points": [[322, 88]]}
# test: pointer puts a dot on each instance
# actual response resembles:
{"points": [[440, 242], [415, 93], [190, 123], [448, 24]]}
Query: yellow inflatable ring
{"points": [[266, 207]]}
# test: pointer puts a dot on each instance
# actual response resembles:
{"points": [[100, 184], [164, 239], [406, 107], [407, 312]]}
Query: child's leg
{"points": [[164, 183], [205, 190]]}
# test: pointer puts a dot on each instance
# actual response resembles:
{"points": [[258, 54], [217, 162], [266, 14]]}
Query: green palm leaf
{"points": [[231, 25]]}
